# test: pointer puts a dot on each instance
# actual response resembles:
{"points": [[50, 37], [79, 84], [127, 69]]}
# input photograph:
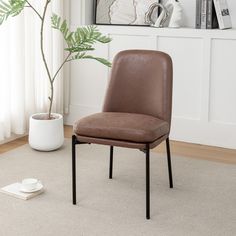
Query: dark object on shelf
{"points": [[198, 14], [122, 12], [212, 22], [136, 112], [206, 17], [204, 14]]}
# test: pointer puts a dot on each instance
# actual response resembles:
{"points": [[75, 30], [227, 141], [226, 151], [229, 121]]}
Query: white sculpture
{"points": [[175, 10], [140, 12], [129, 11], [160, 20], [141, 7], [171, 15]]}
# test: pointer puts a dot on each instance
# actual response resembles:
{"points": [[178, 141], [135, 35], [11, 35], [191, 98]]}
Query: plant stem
{"points": [[50, 77], [51, 101], [52, 83], [34, 10], [44, 58], [64, 62]]}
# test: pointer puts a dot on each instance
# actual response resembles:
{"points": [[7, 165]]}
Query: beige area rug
{"points": [[203, 201]]}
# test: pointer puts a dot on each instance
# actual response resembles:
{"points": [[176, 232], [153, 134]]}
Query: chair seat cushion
{"points": [[122, 126]]}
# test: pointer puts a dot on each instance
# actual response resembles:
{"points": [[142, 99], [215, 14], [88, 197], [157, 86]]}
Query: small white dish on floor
{"points": [[38, 187]]}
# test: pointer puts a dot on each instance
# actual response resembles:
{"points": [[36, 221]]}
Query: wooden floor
{"points": [[203, 152], [13, 144]]}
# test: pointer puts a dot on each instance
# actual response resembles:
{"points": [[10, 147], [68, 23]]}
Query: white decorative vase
{"points": [[46, 135], [175, 9]]}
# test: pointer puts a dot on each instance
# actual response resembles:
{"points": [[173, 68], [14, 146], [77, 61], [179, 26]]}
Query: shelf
{"points": [[169, 32]]}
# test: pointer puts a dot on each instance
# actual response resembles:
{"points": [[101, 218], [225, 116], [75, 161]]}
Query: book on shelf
{"points": [[212, 22], [212, 14], [14, 191], [204, 14], [223, 15], [198, 14]]}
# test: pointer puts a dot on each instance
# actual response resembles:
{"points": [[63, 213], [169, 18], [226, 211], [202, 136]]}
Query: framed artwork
{"points": [[123, 12]]}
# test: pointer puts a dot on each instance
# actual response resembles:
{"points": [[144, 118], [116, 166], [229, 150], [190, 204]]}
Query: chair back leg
{"points": [[74, 142], [147, 182], [169, 162]]}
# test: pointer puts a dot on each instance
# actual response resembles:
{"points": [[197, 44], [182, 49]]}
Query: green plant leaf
{"points": [[80, 41], [101, 60], [77, 49], [10, 8], [63, 28]]}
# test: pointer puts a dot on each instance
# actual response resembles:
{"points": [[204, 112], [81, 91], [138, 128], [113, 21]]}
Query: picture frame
{"points": [[122, 12]]}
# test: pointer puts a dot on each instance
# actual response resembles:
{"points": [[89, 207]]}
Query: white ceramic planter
{"points": [[46, 135]]}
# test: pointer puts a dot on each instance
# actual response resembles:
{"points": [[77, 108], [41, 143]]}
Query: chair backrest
{"points": [[141, 82]]}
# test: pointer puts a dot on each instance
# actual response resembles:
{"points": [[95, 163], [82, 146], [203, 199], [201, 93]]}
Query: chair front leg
{"points": [[169, 162], [74, 142], [111, 163], [147, 182]]}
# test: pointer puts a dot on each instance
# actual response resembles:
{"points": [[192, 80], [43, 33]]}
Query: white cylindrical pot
{"points": [[46, 135]]}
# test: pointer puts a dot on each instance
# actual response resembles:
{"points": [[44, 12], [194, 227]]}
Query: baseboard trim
{"points": [[188, 150], [198, 151]]}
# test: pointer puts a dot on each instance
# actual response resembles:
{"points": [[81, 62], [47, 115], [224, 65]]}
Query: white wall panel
{"points": [[90, 77], [123, 42], [186, 54], [76, 12], [223, 81], [88, 85]]}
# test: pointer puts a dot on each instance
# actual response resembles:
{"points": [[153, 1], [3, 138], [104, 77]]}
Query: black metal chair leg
{"points": [[74, 142], [147, 182], [111, 162], [169, 162]]}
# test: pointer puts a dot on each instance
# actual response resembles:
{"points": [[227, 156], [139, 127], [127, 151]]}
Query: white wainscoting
{"points": [[204, 101]]}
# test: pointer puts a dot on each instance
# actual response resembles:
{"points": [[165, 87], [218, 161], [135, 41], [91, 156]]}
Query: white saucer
{"points": [[39, 187]]}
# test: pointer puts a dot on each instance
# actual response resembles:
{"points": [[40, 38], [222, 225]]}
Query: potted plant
{"points": [[46, 131]]}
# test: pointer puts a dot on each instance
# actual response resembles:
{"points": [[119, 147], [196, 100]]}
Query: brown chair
{"points": [[136, 112]]}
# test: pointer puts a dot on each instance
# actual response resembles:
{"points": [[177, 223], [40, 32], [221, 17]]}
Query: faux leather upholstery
{"points": [[120, 143], [122, 126], [141, 82], [137, 108]]}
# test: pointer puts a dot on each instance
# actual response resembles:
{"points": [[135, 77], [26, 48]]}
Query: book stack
{"points": [[14, 190], [212, 14]]}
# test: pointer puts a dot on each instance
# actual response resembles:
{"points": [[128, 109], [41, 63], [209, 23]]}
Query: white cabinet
{"points": [[204, 101]]}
